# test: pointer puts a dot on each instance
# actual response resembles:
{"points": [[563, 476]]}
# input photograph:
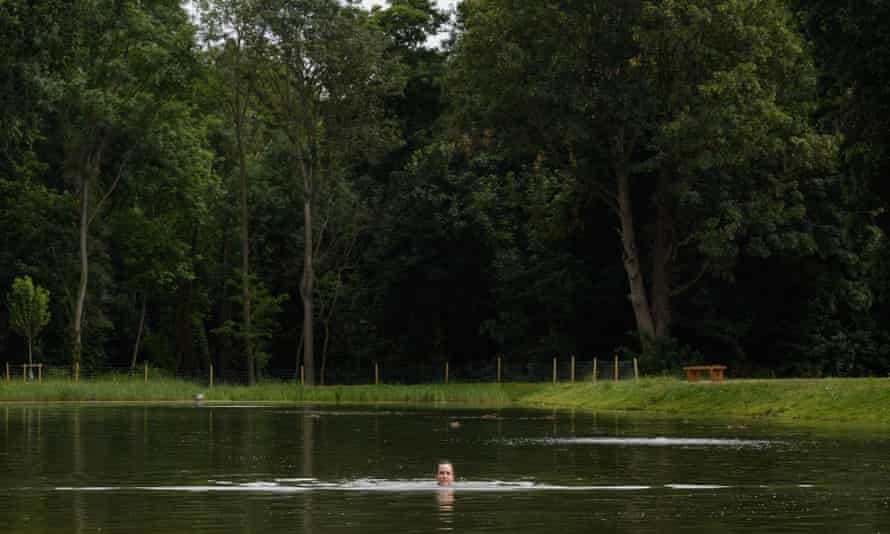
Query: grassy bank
{"points": [[866, 400], [861, 399], [176, 390]]}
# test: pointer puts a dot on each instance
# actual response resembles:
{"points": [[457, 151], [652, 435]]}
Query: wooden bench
{"points": [[716, 372]]}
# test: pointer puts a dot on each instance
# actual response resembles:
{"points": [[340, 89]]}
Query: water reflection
{"points": [[308, 431], [266, 469], [445, 501]]}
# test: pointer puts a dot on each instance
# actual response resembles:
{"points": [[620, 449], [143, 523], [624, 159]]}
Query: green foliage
{"points": [[28, 306], [264, 308]]}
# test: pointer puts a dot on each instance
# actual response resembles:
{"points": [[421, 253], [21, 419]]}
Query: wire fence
{"points": [[500, 370]]}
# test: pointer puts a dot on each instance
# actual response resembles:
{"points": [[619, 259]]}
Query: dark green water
{"points": [[171, 469]]}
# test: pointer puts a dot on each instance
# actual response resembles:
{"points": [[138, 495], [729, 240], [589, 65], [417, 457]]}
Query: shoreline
{"points": [[838, 400]]}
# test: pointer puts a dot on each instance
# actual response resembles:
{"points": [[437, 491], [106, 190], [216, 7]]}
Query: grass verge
{"points": [[862, 400]]}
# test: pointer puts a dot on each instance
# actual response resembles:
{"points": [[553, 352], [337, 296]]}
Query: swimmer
{"points": [[444, 473]]}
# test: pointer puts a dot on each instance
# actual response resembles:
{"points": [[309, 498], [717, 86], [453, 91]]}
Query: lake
{"points": [[319, 469]]}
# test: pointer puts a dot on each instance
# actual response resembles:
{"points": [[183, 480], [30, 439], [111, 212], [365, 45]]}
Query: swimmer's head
{"points": [[444, 472]]}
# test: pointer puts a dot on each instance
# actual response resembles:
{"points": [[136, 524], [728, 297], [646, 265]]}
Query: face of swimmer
{"points": [[444, 473]]}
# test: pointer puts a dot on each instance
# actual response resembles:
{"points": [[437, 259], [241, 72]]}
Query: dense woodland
{"points": [[257, 183]]}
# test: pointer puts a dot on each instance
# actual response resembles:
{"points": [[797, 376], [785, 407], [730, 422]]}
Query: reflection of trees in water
{"points": [[80, 512], [307, 423]]}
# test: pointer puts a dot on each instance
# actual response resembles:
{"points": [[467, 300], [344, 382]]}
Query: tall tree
{"points": [[127, 59], [234, 65], [690, 116], [324, 82]]}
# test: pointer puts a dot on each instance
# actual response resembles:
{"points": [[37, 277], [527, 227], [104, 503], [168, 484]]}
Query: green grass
{"points": [[175, 390], [862, 399], [847, 400]]}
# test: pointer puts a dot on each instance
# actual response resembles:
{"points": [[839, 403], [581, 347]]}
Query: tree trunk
{"points": [[30, 359], [663, 259], [84, 267], [245, 260], [185, 343], [138, 335], [307, 285], [324, 350], [185, 340], [638, 299]]}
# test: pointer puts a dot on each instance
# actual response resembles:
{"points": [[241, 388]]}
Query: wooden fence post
{"points": [[616, 368], [24, 373], [40, 373], [446, 372], [554, 369], [145, 372], [499, 369], [636, 370], [573, 368], [302, 376], [77, 372], [376, 373], [211, 375], [7, 372], [594, 370]]}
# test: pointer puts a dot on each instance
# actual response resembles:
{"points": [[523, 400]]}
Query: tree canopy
{"points": [[263, 184]]}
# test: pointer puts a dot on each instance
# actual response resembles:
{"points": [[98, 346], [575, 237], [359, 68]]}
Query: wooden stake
{"points": [[376, 373], [636, 370], [302, 376], [446, 372], [573, 368], [39, 373], [554, 369], [211, 375], [7, 372], [616, 368], [145, 372], [499, 369], [77, 372]]}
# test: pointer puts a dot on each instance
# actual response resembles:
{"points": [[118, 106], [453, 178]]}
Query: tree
{"points": [[235, 66], [127, 61], [28, 310], [689, 117], [257, 332], [323, 83]]}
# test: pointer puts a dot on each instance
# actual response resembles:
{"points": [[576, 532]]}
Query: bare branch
{"points": [[117, 179], [685, 287]]}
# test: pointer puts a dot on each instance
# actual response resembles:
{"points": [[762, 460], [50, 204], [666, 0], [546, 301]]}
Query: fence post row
{"points": [[447, 377]]}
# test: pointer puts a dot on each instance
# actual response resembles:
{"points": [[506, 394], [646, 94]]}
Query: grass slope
{"points": [[866, 399]]}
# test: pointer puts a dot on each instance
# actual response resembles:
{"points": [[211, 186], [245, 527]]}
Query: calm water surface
{"points": [[240, 468]]}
